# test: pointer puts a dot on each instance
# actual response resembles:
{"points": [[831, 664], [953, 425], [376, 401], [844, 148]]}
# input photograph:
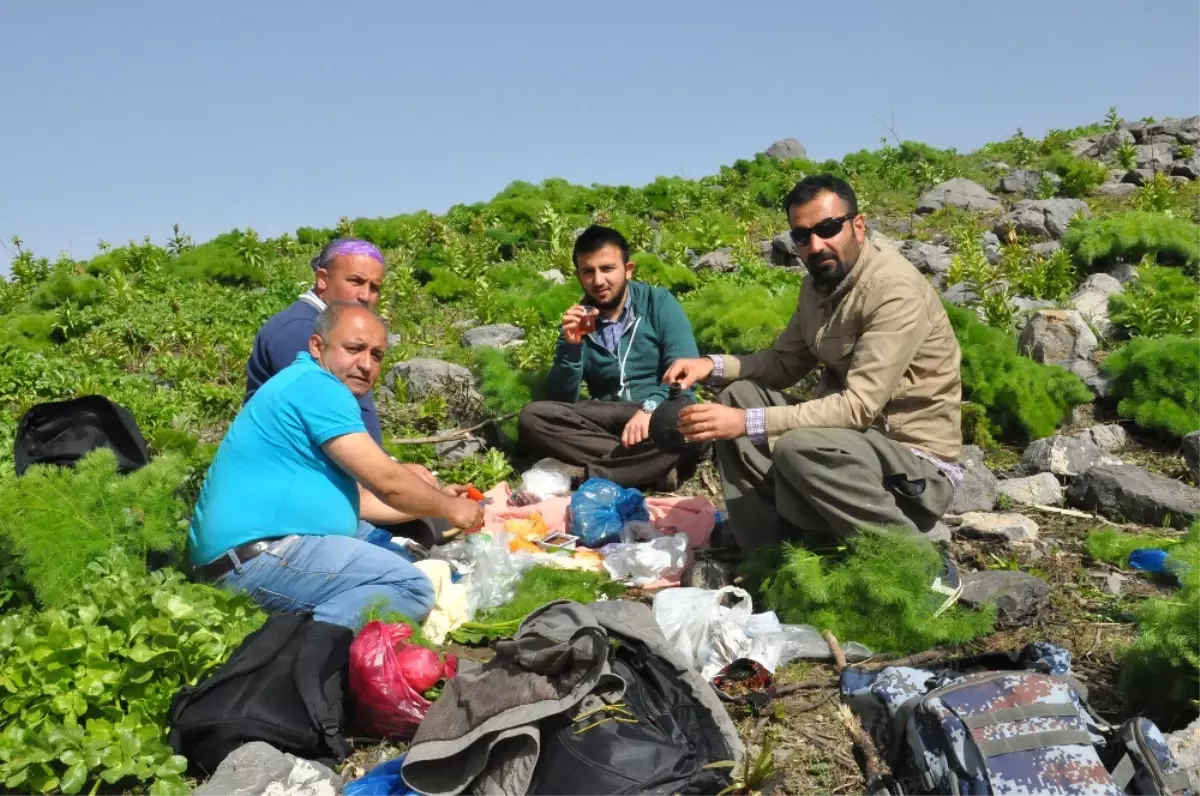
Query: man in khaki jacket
{"points": [[877, 444]]}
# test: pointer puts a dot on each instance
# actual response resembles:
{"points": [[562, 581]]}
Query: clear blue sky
{"points": [[119, 118]]}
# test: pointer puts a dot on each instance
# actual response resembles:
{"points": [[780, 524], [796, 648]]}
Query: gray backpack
{"points": [[1006, 731]]}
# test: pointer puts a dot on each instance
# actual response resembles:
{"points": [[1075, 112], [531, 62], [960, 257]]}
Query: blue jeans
{"points": [[337, 578]]}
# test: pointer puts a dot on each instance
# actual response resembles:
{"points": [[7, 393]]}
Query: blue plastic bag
{"points": [[600, 508], [383, 780]]}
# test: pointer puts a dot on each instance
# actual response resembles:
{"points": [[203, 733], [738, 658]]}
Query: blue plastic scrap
{"points": [[383, 780]]}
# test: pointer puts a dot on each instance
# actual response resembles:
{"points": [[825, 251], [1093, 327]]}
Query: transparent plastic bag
{"points": [[538, 485], [600, 509], [773, 644], [495, 573], [707, 628], [646, 562]]}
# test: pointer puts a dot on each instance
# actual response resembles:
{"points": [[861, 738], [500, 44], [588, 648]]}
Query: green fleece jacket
{"points": [[656, 334]]}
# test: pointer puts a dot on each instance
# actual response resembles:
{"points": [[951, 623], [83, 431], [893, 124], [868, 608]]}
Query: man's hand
{"points": [[454, 490], [570, 324], [466, 514], [703, 422], [687, 372], [637, 429]]}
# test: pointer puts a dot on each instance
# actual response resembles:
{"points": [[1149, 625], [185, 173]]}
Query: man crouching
{"points": [[280, 507]]}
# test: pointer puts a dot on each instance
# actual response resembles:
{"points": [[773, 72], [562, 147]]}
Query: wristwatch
{"points": [[649, 405]]}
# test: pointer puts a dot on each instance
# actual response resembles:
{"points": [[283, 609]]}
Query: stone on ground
{"points": [[1016, 595], [1091, 300], [1057, 337], [1024, 181], [1116, 189], [1006, 527], [1107, 436], [784, 252], [259, 769], [458, 449], [1188, 168], [428, 376], [500, 335], [1155, 157], [960, 294], [1185, 747], [1190, 447], [1065, 456], [1127, 492], [719, 261], [977, 492], [928, 258], [787, 149], [1042, 489], [553, 275], [958, 192], [1045, 218]]}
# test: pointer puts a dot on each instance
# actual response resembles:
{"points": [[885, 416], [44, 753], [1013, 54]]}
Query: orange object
{"points": [[531, 528], [473, 493], [516, 545]]}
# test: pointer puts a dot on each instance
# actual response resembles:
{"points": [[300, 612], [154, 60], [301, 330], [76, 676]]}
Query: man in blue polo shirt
{"points": [[280, 508]]}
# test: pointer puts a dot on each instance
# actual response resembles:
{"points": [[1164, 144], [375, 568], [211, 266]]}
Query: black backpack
{"points": [[661, 745], [284, 685], [63, 432]]}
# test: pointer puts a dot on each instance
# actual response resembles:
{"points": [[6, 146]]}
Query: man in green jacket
{"points": [[639, 330]]}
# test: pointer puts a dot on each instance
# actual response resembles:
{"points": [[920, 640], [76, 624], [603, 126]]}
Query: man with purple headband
{"points": [[348, 270]]}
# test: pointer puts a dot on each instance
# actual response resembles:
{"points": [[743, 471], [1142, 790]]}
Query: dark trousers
{"points": [[588, 434]]}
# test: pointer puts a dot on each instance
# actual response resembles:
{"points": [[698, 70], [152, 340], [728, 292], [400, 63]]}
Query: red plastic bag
{"points": [[386, 704]]}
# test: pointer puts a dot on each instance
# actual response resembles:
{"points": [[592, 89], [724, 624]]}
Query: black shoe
{"points": [[947, 583]]}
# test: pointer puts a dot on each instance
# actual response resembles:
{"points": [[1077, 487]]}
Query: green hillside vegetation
{"points": [[164, 327]]}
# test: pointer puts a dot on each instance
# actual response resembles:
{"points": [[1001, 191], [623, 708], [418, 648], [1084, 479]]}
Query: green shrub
{"points": [[1097, 242], [57, 520], [1023, 399], [505, 389], [1157, 383], [1160, 301], [1113, 547], [218, 262], [675, 278], [738, 319], [88, 685], [64, 286], [878, 594], [1080, 176]]}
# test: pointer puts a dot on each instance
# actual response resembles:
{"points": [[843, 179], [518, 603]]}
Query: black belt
{"points": [[224, 562]]}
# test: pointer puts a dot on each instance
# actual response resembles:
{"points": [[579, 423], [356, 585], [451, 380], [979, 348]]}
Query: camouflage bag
{"points": [[1019, 730]]}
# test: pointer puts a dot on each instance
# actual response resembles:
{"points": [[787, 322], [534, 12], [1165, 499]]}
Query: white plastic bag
{"points": [[646, 562], [538, 485], [496, 571], [707, 632]]}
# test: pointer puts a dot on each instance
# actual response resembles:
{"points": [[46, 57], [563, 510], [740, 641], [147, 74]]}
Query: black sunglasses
{"points": [[824, 229]]}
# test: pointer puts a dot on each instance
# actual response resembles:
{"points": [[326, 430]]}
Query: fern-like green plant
{"points": [[1097, 242], [1157, 383], [1159, 302], [1080, 176], [1113, 546], [737, 319]]}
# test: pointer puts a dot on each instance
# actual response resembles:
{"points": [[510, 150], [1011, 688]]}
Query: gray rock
{"points": [[1007, 527], [1025, 305], [1130, 493], [1112, 584], [883, 239], [958, 192], [1065, 456], [977, 492], [960, 294], [991, 246], [393, 339], [1046, 248], [1190, 447], [1189, 137], [459, 449], [1083, 147], [1107, 436], [1167, 140], [1016, 595], [939, 533], [1046, 218], [1179, 181], [1091, 300], [500, 335], [1189, 168], [786, 149], [1185, 748], [1136, 128], [1155, 157], [784, 252], [1035, 490], [1138, 176], [996, 165], [1057, 337], [1022, 181], [1116, 189], [428, 376], [928, 259], [259, 769], [553, 275], [1123, 272], [1092, 377], [1110, 142], [1168, 126], [719, 261]]}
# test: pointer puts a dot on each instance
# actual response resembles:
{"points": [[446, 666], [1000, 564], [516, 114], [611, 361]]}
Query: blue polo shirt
{"points": [[286, 334], [270, 477]]}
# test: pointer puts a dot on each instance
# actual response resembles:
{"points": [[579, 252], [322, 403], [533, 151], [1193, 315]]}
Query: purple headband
{"points": [[344, 246]]}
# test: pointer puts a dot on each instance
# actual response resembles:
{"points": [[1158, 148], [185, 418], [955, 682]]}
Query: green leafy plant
{"points": [[877, 594], [1022, 399], [1098, 242], [1157, 383], [1113, 546], [1156, 195], [738, 320], [1125, 155], [1161, 301], [89, 684], [985, 279], [1080, 176]]}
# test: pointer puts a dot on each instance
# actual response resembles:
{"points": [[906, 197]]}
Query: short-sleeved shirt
{"points": [[270, 477], [286, 334]]}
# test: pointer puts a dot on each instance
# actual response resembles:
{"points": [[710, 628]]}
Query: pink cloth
{"points": [[693, 516]]}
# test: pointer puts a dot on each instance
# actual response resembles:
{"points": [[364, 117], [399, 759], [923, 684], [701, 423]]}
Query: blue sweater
{"points": [[283, 336]]}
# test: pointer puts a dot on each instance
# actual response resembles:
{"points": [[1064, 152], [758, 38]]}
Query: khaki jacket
{"points": [[891, 359]]}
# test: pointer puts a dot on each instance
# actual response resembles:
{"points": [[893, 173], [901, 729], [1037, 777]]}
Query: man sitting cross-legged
{"points": [[280, 508], [639, 331], [876, 446]]}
